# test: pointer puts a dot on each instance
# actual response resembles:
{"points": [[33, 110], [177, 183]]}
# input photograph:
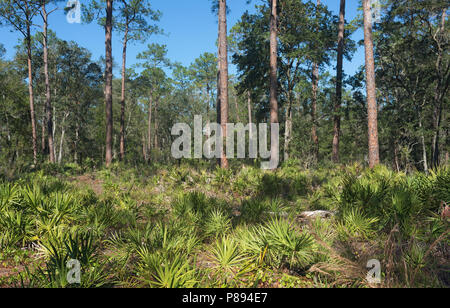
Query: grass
{"points": [[188, 226]]}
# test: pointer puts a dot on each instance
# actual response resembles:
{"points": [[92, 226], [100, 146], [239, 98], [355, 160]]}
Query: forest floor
{"points": [[200, 226]]}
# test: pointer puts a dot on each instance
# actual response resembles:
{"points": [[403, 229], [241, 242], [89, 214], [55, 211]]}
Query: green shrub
{"points": [[226, 257], [442, 185], [100, 217], [247, 181], [288, 246], [59, 249], [403, 209], [222, 176], [160, 272], [18, 226], [253, 211], [277, 243], [10, 239], [9, 196], [355, 224], [391, 198], [252, 241], [195, 202], [72, 169], [218, 223]]}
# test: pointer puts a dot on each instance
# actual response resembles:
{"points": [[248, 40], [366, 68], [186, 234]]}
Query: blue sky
{"points": [[190, 25]]}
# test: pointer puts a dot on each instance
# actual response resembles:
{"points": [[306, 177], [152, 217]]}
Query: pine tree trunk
{"points": [[8, 131], [218, 117], [223, 77], [337, 106], [208, 111], [77, 137], [61, 141], [43, 144], [144, 149], [438, 96], [156, 125], [315, 89], [288, 130], [372, 111], [31, 97], [424, 148], [149, 130], [437, 119], [54, 129], [397, 165], [48, 104], [108, 83], [447, 142], [238, 118], [208, 121], [249, 106], [274, 147], [122, 99]]}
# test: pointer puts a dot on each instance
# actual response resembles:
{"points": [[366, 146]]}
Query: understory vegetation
{"points": [[196, 226]]}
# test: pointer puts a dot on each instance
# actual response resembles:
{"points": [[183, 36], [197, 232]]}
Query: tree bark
{"points": [[249, 106], [144, 150], [315, 89], [30, 91], [274, 75], [223, 77], [437, 118], [156, 125], [238, 118], [218, 101], [438, 97], [372, 110], [61, 141], [397, 165], [8, 131], [77, 137], [149, 130], [48, 104], [424, 148], [54, 129], [43, 144], [447, 142], [108, 83], [288, 130], [337, 106], [122, 99], [208, 121]]}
